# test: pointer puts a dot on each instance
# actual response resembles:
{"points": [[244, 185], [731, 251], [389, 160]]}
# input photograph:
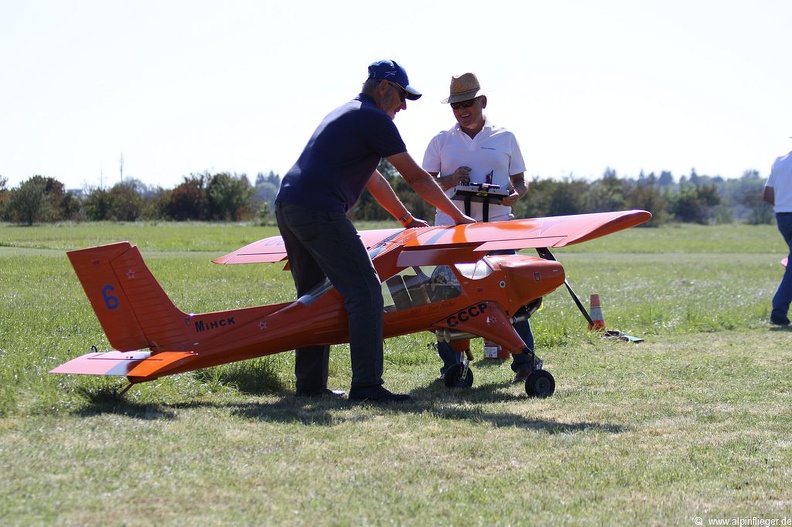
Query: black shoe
{"points": [[377, 394], [779, 321], [320, 392]]}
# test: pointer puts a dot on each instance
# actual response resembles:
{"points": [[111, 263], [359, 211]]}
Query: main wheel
{"points": [[457, 376], [540, 384]]}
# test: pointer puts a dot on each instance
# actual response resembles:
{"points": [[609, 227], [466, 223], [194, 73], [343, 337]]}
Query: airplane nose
{"points": [[529, 277]]}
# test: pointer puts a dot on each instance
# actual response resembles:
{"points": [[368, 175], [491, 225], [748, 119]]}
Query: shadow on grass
{"points": [[278, 404], [462, 405], [108, 400], [470, 405]]}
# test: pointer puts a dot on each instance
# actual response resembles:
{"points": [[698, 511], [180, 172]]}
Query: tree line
{"points": [[226, 197]]}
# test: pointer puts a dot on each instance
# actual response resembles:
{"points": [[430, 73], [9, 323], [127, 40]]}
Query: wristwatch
{"points": [[406, 219]]}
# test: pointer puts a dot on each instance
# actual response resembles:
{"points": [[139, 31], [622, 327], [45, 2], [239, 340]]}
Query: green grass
{"points": [[692, 422]]}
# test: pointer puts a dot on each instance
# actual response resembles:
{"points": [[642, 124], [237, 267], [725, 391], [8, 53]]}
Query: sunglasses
{"points": [[401, 91], [464, 104]]}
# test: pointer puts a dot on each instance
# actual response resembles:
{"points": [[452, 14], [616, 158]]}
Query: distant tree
{"points": [[39, 199], [266, 189], [3, 196], [71, 208], [666, 179], [535, 201], [188, 200], [152, 207], [643, 179], [123, 202], [750, 195], [548, 197], [271, 178], [98, 204], [694, 177], [126, 202], [607, 194], [569, 197], [695, 203], [228, 197], [264, 200]]}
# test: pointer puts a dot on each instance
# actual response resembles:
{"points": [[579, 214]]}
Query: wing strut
{"points": [[545, 253]]}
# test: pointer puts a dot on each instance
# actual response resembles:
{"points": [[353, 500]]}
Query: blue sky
{"points": [[186, 86]]}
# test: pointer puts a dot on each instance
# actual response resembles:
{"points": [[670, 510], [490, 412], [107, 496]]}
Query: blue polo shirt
{"points": [[338, 160]]}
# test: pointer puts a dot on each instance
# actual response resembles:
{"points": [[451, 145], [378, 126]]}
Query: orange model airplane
{"points": [[437, 279]]}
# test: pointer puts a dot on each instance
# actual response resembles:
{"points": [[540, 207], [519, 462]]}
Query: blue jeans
{"points": [[783, 295], [325, 244]]}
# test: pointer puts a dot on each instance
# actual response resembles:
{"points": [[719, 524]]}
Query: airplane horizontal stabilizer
{"points": [[125, 363]]}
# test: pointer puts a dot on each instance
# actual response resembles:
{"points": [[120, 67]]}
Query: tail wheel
{"points": [[540, 383], [458, 376]]}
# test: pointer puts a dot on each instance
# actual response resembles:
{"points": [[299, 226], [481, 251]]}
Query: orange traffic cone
{"points": [[595, 312]]}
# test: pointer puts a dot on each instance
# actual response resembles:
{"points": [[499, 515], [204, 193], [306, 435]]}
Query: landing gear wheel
{"points": [[458, 376], [540, 384]]}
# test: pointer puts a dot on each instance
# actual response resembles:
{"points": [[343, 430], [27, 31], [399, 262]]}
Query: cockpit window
{"points": [[418, 286], [475, 271]]}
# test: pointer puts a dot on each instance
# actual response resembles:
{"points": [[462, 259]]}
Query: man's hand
{"points": [[461, 176], [416, 222], [461, 219], [511, 199]]}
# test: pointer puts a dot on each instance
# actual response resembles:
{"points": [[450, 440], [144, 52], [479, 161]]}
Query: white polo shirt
{"points": [[780, 180], [493, 150]]}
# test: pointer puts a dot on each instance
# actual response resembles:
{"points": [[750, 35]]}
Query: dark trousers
{"points": [[783, 295], [325, 244]]}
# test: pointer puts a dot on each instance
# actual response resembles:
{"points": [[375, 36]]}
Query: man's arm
{"points": [[769, 195], [518, 189], [379, 187], [425, 185]]}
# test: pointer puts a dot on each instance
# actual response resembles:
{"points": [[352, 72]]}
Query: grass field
{"points": [[691, 426]]}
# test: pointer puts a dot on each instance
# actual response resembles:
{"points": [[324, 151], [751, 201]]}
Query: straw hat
{"points": [[463, 88]]}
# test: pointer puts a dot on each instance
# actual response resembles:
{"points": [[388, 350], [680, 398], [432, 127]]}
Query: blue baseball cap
{"points": [[389, 70]]}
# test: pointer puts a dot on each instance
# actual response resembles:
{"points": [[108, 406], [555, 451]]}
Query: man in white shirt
{"points": [[778, 192], [476, 151]]}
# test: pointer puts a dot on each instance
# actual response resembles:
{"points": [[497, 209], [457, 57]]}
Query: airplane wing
{"points": [[272, 249], [461, 243], [469, 242]]}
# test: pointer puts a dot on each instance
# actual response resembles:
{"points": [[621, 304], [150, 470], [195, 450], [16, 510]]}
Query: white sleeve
{"points": [[431, 160], [517, 161]]}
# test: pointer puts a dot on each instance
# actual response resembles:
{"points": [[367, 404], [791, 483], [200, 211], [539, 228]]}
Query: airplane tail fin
{"points": [[133, 309]]}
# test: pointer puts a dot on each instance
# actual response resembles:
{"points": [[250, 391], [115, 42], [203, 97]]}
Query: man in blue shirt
{"points": [[339, 161]]}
